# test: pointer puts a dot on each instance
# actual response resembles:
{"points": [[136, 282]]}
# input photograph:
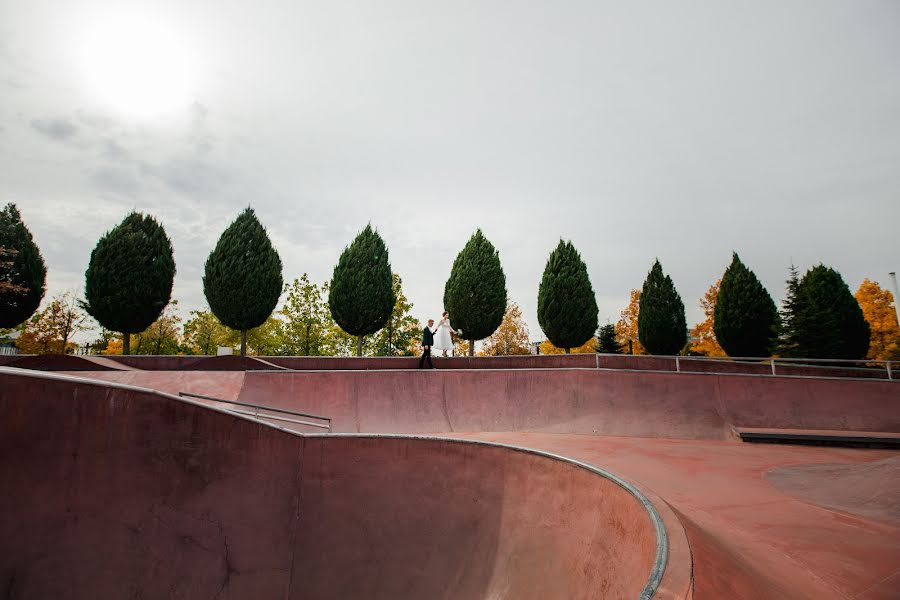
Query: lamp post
{"points": [[893, 276]]}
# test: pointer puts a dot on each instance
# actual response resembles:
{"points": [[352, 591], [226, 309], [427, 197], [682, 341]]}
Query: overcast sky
{"points": [[677, 130]]}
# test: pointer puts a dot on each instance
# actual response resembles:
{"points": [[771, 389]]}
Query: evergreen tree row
{"points": [[129, 279]]}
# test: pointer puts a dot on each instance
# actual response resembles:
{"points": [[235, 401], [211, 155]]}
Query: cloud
{"points": [[189, 176], [57, 128], [118, 180]]}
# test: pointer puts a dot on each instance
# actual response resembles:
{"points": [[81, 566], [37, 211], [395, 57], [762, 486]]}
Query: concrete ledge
{"points": [[819, 437]]}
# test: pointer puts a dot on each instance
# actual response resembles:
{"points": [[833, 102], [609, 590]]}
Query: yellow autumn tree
{"points": [[627, 325], [878, 308], [50, 331], [511, 337], [706, 344], [589, 347]]}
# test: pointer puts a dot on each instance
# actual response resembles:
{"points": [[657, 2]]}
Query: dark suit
{"points": [[427, 343]]}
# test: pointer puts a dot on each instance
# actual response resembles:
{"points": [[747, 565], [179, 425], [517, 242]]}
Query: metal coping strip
{"points": [[274, 418]]}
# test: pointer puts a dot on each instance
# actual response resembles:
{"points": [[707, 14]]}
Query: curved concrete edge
{"points": [[671, 576]]}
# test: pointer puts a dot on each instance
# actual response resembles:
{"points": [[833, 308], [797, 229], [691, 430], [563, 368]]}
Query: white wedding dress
{"points": [[442, 339]]}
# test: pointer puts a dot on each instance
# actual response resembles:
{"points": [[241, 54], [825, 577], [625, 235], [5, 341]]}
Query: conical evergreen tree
{"points": [[129, 279], [361, 295], [27, 274], [242, 279], [830, 323], [790, 313], [662, 328], [607, 342], [475, 293], [567, 307], [745, 320]]}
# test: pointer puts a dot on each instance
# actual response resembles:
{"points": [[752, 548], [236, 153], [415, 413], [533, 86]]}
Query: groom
{"points": [[427, 343]]}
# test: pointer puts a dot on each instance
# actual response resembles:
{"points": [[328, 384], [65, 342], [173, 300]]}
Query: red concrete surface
{"points": [[749, 539], [763, 521], [230, 363], [114, 492], [580, 401], [67, 362], [218, 384]]}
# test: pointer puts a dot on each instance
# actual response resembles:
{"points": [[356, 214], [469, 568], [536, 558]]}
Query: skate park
{"points": [[518, 477]]}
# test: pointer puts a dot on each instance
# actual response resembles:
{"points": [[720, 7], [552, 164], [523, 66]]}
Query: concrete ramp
{"points": [[117, 492], [67, 362], [578, 401]]}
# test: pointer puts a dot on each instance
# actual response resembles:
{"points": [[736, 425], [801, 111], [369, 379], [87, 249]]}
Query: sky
{"points": [[681, 131]]}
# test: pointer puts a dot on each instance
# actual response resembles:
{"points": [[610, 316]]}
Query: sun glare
{"points": [[138, 66]]}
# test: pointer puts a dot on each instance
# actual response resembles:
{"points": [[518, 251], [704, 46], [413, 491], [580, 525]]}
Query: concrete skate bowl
{"points": [[112, 491]]}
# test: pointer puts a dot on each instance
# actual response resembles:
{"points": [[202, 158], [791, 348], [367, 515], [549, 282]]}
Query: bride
{"points": [[442, 340]]}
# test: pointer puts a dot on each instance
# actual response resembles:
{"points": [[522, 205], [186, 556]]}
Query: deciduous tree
{"points": [[627, 325], [511, 337], [402, 329], [22, 284], [475, 293], [745, 318], [361, 295], [50, 331], [129, 280], [265, 340], [878, 309], [588, 347], [567, 307], [706, 344], [661, 324], [305, 319], [242, 279], [162, 337], [204, 333]]}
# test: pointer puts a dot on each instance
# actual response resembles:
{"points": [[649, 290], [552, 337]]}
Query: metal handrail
{"points": [[863, 363], [259, 407]]}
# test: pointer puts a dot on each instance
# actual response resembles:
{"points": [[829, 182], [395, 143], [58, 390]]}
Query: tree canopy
{"points": [[361, 295], [627, 325], [475, 293], [242, 278], [567, 307], [703, 335], [878, 309], [129, 279], [662, 328], [50, 330], [511, 337], [745, 317], [830, 322], [24, 274], [398, 336]]}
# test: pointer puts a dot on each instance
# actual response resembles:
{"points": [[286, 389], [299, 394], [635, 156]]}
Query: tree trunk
{"points": [[359, 339], [568, 351], [126, 344], [471, 347], [243, 342]]}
